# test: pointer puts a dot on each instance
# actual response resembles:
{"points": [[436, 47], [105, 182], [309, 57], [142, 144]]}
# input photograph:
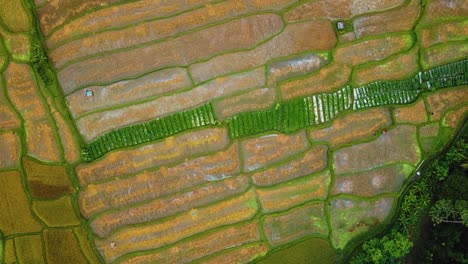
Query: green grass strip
{"points": [[289, 116]]}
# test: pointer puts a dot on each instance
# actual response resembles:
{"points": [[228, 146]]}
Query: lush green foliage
{"points": [[447, 75], [446, 240], [449, 211], [455, 186], [418, 200], [414, 205], [458, 153], [391, 248], [406, 91], [40, 63]]}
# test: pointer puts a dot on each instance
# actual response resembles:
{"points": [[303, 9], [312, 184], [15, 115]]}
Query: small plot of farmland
{"points": [[201, 131]]}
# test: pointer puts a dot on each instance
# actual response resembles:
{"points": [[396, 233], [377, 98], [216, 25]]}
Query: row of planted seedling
{"points": [[153, 130], [452, 74], [288, 116], [406, 91], [386, 93], [292, 115]]}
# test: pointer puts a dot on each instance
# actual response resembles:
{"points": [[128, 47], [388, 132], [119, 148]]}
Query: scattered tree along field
{"points": [[433, 214], [234, 131]]}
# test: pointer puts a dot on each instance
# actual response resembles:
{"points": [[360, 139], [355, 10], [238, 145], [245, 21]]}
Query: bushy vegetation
{"points": [[445, 239], [450, 211], [390, 249], [439, 195], [40, 63]]}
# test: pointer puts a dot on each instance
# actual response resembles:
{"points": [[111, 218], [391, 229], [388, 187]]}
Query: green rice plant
{"points": [[292, 115], [452, 74], [387, 92], [145, 132]]}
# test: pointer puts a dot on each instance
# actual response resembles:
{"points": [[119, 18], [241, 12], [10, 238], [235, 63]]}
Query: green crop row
{"points": [[449, 75], [288, 116], [406, 91], [292, 115], [328, 105], [386, 92], [145, 132]]}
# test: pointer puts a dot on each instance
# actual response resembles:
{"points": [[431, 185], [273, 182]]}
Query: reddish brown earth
{"points": [[400, 145], [414, 113], [204, 195], [336, 10], [266, 150], [295, 224], [312, 161], [386, 179], [353, 127], [294, 39], [328, 79]]}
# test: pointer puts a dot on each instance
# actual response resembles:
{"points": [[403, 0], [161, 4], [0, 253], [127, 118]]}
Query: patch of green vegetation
{"points": [[150, 131], [292, 115], [444, 235], [56, 213], [312, 250], [391, 248], [406, 169], [40, 64], [387, 92], [449, 75]]}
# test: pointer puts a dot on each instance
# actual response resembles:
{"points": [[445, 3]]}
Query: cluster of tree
{"points": [[440, 196], [389, 249], [445, 240]]}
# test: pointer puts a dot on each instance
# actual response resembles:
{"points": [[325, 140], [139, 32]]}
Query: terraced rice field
{"points": [[218, 131]]}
